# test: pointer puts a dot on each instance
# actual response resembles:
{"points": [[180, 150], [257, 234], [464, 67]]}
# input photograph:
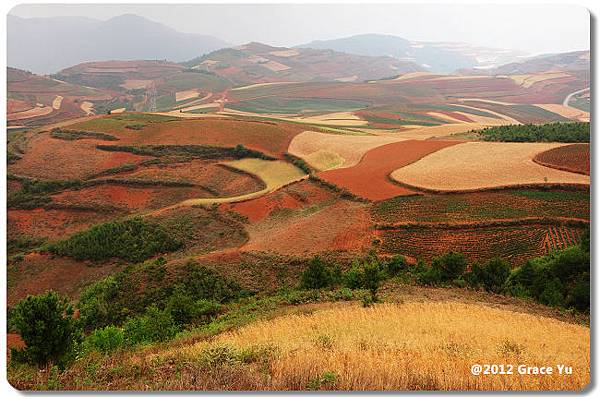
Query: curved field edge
{"points": [[581, 159], [275, 174], [476, 166]]}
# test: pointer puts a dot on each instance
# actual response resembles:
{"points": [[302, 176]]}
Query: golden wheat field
{"points": [[482, 165], [410, 346]]}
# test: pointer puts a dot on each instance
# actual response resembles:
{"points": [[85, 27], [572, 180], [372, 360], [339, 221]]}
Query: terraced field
{"points": [[516, 243], [479, 206]]}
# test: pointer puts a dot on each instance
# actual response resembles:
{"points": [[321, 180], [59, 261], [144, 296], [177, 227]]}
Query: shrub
{"points": [[352, 278], [154, 326], [494, 274], [316, 275], [445, 268], [185, 310], [132, 239], [135, 126], [106, 339], [395, 265], [372, 276], [121, 295], [558, 279], [46, 324]]}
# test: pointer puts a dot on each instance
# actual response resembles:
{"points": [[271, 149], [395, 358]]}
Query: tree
{"points": [[372, 276], [46, 324], [494, 275], [316, 275]]}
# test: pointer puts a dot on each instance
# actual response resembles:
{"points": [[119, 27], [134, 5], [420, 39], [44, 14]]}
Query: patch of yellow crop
{"points": [[482, 165], [412, 346]]}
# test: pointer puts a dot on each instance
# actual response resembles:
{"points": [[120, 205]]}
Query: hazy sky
{"points": [[534, 28]]}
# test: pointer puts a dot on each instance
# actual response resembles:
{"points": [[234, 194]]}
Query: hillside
{"points": [[435, 57], [260, 63], [577, 61], [34, 42], [33, 99]]}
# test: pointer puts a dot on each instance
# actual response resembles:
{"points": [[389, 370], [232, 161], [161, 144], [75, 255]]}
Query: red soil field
{"points": [[207, 174], [343, 226], [516, 244], [49, 158], [560, 237], [38, 273], [483, 206], [51, 223], [295, 196], [369, 178], [16, 105], [129, 197], [268, 137], [572, 158]]}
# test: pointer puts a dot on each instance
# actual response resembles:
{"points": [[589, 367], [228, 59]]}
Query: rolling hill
{"points": [[568, 61], [260, 63], [34, 42]]}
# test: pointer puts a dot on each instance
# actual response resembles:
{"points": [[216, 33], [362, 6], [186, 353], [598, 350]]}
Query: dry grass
{"points": [[411, 346], [480, 165]]}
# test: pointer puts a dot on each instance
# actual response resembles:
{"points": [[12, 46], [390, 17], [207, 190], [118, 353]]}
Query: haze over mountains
{"points": [[47, 45], [436, 57]]}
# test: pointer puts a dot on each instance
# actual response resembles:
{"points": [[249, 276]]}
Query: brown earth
{"points": [[370, 178], [572, 158]]}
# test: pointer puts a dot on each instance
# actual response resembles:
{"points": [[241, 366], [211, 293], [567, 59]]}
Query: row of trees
{"points": [[560, 279], [551, 132]]}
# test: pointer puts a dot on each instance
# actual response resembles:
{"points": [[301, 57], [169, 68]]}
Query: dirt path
{"points": [[571, 95]]}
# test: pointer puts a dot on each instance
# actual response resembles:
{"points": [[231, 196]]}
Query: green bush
{"points": [[105, 339], [445, 268], [317, 275], [558, 279], [133, 240], [46, 324], [372, 276], [492, 275], [154, 326], [395, 265], [185, 310], [130, 292]]}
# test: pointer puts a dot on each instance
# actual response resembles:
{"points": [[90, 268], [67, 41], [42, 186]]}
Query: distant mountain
{"points": [[46, 45], [568, 61], [436, 57], [260, 63]]}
